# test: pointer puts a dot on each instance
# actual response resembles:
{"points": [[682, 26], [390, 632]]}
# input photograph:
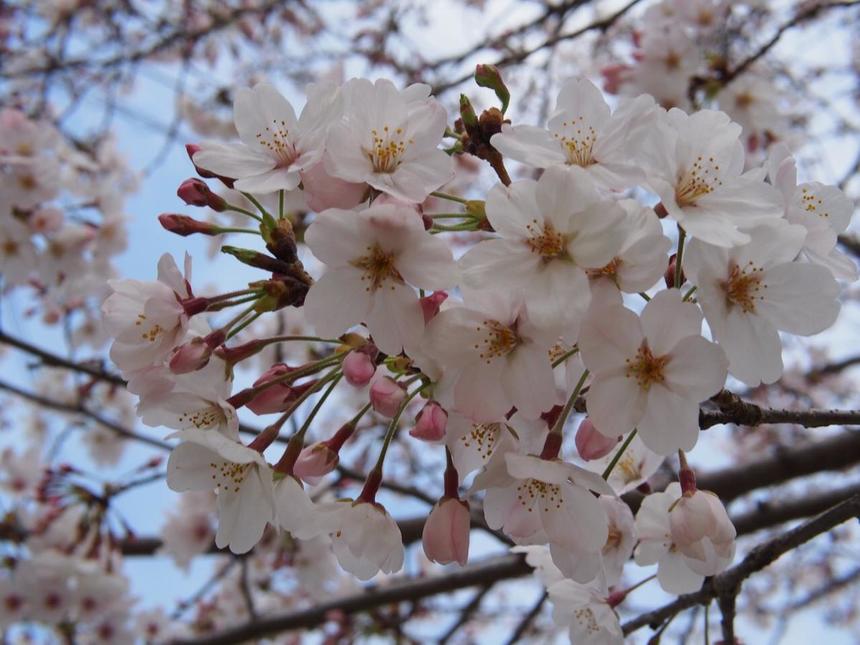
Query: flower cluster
{"points": [[61, 209], [495, 321]]}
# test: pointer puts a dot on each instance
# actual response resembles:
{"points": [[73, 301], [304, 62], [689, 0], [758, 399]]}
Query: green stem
{"points": [[231, 229], [707, 634], [392, 428], [679, 257], [561, 359], [451, 198], [618, 454], [645, 296], [235, 331], [319, 404], [449, 215], [257, 203], [689, 293], [239, 209], [281, 204], [559, 423]]}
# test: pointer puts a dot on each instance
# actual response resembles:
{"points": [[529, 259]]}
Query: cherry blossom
{"points": [[275, 146], [582, 132], [207, 460], [366, 540], [388, 138], [540, 501], [552, 231], [695, 165], [750, 292], [374, 258], [651, 372], [446, 533], [702, 531], [497, 357]]}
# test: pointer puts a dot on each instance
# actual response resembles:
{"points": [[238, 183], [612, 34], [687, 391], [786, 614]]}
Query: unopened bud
{"points": [[358, 368], [446, 532], [190, 357], [467, 113], [431, 423], [669, 276], [281, 240], [257, 260], [488, 76], [386, 396], [185, 226], [314, 462], [195, 192], [592, 444]]}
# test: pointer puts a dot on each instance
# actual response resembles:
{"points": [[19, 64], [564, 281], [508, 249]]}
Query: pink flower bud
{"points": [[195, 192], [358, 368], [386, 396], [190, 357], [432, 421], [275, 398], [446, 532], [669, 276], [430, 304], [590, 443], [323, 191], [314, 462], [185, 226]]}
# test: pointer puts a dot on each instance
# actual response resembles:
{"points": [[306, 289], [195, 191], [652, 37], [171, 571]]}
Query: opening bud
{"points": [[358, 368], [446, 532], [195, 192], [431, 423], [386, 396]]}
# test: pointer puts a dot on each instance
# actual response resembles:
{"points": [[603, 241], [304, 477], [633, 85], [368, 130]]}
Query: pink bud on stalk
{"points": [[277, 397], [431, 423], [195, 192], [386, 396], [446, 532], [195, 354], [185, 226], [358, 368], [591, 443]]}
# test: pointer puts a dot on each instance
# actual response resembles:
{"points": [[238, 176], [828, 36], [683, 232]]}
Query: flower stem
{"points": [[568, 407], [319, 404], [449, 197], [238, 209], [257, 203], [618, 454], [679, 257], [561, 359], [281, 204]]}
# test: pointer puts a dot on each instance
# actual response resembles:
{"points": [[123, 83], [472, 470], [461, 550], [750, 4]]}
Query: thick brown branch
{"points": [[406, 590], [728, 584]]}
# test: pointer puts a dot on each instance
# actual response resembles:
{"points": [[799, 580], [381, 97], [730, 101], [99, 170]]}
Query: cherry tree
{"points": [[569, 305]]}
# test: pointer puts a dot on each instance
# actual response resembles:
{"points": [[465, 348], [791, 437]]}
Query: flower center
{"points": [[499, 340], [545, 240], [531, 490], [276, 140], [378, 266], [209, 417], [700, 179], [585, 617], [811, 203], [613, 540], [646, 368], [743, 286], [228, 476], [152, 333], [483, 436], [609, 271], [629, 469], [577, 142], [387, 149]]}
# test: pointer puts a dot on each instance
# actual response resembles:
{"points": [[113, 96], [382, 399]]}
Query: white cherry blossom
{"points": [[695, 164], [582, 132], [750, 292], [365, 538], [551, 231], [374, 258], [275, 146], [650, 372], [207, 460], [496, 359], [539, 501], [389, 139]]}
